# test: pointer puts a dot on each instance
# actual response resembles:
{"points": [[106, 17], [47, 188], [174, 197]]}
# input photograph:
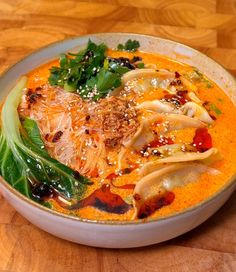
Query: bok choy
{"points": [[24, 161]]}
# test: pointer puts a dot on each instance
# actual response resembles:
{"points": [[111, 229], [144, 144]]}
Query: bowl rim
{"points": [[230, 183]]}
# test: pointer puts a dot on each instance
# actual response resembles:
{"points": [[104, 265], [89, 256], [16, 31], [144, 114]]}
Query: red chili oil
{"points": [[42, 191], [125, 186], [94, 173], [112, 176], [103, 199], [177, 75], [153, 204], [159, 141], [202, 140], [124, 171], [180, 98]]}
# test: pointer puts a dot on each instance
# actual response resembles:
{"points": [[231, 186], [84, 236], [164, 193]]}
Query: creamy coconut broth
{"points": [[160, 142]]}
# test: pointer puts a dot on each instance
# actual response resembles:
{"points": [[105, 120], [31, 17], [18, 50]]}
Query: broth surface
{"points": [[222, 131]]}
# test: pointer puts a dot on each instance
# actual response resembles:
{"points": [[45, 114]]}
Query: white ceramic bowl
{"points": [[119, 234]]}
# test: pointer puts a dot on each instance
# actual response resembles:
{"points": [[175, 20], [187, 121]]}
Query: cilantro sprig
{"points": [[88, 72], [130, 45], [214, 108]]}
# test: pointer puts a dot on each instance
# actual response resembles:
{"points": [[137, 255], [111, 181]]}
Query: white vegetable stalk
{"points": [[9, 117]]}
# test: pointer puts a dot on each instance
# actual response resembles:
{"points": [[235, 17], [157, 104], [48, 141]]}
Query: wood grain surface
{"points": [[208, 25]]}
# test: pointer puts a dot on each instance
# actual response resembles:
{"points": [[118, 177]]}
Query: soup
{"points": [[117, 134]]}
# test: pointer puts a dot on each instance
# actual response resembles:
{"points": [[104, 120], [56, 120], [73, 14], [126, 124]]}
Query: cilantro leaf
{"points": [[104, 81], [76, 69], [214, 108], [118, 68], [130, 45], [89, 72], [140, 65]]}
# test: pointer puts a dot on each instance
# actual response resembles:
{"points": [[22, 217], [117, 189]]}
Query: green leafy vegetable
{"points": [[24, 160], [214, 108], [140, 65], [33, 132], [76, 69], [104, 80], [116, 68], [88, 72], [130, 45]]}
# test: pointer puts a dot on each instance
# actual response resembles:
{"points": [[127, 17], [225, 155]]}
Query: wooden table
{"points": [[208, 25]]}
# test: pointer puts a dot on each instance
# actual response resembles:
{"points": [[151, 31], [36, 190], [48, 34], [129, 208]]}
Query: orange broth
{"points": [[222, 131]]}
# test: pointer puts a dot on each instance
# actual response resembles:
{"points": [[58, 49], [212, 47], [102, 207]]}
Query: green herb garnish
{"points": [[76, 69], [214, 108], [98, 86], [140, 65], [130, 45], [88, 72]]}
